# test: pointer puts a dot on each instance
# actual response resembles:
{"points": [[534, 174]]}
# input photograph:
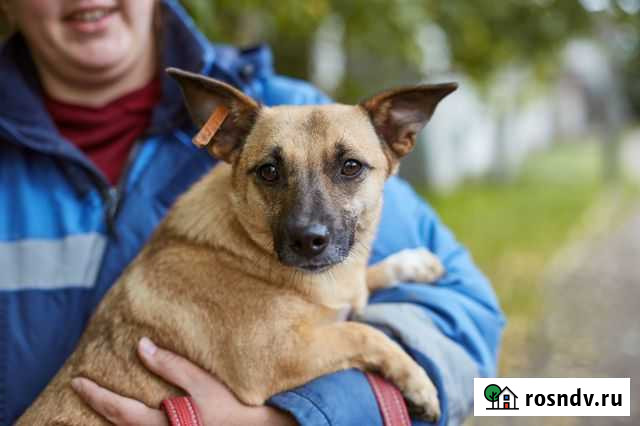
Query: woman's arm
{"points": [[215, 403]]}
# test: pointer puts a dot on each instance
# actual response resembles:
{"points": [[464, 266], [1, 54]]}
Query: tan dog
{"points": [[247, 273]]}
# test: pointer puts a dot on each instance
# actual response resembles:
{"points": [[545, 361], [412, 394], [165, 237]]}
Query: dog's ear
{"points": [[224, 113], [398, 115]]}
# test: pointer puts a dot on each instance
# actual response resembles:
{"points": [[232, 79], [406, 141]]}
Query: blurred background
{"points": [[534, 162]]}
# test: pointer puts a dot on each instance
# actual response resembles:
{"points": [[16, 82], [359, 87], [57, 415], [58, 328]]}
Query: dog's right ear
{"points": [[227, 113]]}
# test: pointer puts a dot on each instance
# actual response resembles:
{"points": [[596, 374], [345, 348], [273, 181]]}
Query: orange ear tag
{"points": [[208, 131]]}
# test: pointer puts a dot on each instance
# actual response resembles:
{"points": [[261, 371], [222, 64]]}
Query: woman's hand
{"points": [[216, 404]]}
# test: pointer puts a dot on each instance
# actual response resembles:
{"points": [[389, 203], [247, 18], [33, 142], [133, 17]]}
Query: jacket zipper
{"points": [[113, 196]]}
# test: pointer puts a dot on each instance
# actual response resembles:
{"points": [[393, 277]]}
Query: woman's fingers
{"points": [[214, 401], [173, 368], [117, 409]]}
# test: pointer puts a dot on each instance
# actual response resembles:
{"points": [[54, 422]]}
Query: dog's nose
{"points": [[309, 241]]}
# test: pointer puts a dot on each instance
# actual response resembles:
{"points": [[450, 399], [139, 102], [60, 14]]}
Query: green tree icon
{"points": [[491, 392]]}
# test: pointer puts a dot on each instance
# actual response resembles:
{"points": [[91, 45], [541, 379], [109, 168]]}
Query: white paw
{"points": [[417, 265], [422, 400]]}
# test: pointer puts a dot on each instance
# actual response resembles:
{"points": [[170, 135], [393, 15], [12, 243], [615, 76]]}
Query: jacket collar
{"points": [[183, 46]]}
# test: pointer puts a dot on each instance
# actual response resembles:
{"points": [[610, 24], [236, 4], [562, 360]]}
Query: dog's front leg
{"points": [[409, 265], [341, 346]]}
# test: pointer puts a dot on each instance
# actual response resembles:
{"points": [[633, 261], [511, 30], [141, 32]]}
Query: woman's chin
{"points": [[102, 61], [100, 65], [112, 51]]}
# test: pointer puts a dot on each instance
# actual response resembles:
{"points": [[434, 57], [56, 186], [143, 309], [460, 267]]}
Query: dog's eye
{"points": [[351, 168], [268, 173]]}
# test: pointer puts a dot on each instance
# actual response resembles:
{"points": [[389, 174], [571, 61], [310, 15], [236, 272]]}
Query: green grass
{"points": [[514, 229]]}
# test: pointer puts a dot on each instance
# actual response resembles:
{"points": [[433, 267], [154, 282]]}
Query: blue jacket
{"points": [[66, 235]]}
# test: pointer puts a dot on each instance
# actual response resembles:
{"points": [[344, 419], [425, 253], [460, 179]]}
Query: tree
{"points": [[491, 392], [380, 35]]}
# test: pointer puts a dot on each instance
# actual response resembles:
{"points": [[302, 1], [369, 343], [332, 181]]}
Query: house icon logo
{"points": [[500, 399]]}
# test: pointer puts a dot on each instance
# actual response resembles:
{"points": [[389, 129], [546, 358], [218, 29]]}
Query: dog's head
{"points": [[307, 181]]}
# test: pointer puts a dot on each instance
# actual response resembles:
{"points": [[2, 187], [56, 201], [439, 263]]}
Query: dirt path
{"points": [[631, 155], [591, 326]]}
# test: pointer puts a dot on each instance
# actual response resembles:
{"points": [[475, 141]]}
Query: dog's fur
{"points": [[219, 282]]}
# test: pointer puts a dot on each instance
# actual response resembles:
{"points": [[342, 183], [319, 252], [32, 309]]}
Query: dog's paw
{"points": [[422, 401], [417, 265]]}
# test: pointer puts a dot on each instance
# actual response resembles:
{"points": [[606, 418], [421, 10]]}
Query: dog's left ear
{"points": [[224, 114], [398, 115]]}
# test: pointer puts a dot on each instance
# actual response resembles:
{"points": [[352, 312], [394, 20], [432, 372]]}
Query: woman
{"points": [[94, 147]]}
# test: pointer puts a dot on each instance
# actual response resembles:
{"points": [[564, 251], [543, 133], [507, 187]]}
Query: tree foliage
{"points": [[482, 34]]}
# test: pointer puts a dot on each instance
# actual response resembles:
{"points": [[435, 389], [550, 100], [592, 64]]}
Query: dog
{"points": [[248, 272]]}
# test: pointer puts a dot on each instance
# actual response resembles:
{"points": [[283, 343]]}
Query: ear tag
{"points": [[208, 131]]}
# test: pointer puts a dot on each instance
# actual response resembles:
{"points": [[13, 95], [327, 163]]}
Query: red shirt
{"points": [[106, 134]]}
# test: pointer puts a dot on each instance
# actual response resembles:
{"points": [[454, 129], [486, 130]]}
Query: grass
{"points": [[514, 229]]}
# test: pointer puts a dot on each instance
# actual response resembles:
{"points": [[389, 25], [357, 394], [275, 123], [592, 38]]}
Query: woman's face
{"points": [[102, 36]]}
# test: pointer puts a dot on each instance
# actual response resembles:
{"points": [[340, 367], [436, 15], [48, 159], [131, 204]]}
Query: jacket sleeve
{"points": [[452, 328]]}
